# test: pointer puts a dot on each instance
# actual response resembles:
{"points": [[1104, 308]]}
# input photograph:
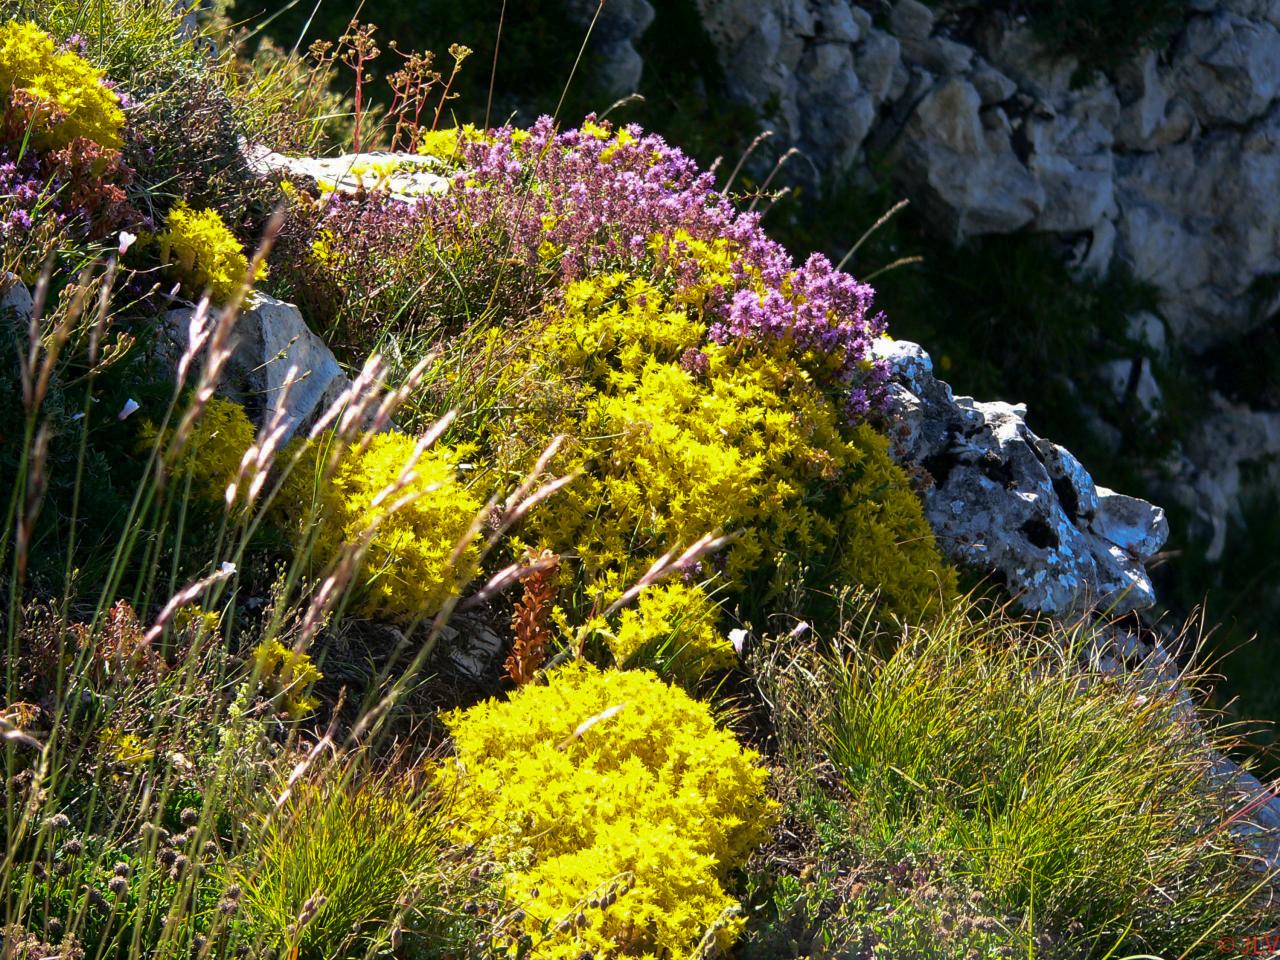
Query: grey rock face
{"points": [[1131, 381], [1006, 500], [911, 20], [1228, 67], [820, 66], [1168, 166], [621, 23], [1173, 159], [1230, 440], [1173, 201], [15, 303], [966, 178], [1172, 164], [271, 349], [992, 85]]}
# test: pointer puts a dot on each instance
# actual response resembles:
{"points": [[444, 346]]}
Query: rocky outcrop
{"points": [[15, 299], [1224, 444], [1001, 498], [1004, 500], [1160, 167], [615, 27], [272, 349]]}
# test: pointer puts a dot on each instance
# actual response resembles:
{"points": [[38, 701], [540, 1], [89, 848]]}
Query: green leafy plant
{"points": [[347, 860], [146, 759]]}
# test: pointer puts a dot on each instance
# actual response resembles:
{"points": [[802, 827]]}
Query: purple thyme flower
{"points": [[598, 202]]}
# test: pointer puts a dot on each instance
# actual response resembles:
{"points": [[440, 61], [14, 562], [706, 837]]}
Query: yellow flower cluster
{"points": [[446, 144], [63, 93], [716, 260], [211, 456], [409, 567], [679, 437], [678, 617], [203, 254], [621, 137], [322, 247], [619, 806], [127, 749], [415, 516], [287, 674]]}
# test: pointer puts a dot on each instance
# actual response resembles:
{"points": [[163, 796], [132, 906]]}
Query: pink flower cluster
{"points": [[825, 312], [600, 200]]}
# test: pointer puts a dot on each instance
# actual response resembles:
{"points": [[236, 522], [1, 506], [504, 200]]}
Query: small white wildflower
{"points": [[130, 407], [738, 637], [227, 569], [127, 240]]}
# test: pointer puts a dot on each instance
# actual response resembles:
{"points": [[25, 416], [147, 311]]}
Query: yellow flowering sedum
{"points": [[446, 144], [679, 616], [64, 90], [211, 456], [612, 787], [621, 137], [127, 749], [407, 566], [286, 673], [203, 254], [679, 437]]}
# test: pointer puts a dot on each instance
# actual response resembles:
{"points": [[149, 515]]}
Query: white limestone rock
{"points": [[406, 176], [271, 347], [1006, 500], [972, 183], [15, 303], [1228, 67]]}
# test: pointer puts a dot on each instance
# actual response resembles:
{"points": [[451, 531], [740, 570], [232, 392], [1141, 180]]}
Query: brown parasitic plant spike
{"points": [[530, 621]]}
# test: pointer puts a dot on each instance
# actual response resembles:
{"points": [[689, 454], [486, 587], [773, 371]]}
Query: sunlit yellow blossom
{"points": [[609, 785]]}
